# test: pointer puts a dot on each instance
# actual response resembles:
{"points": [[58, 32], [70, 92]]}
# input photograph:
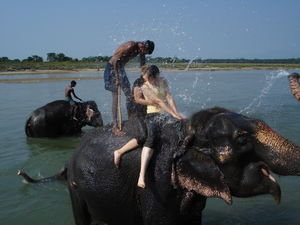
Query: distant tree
{"points": [[37, 58], [51, 57], [61, 57], [4, 59], [28, 59]]}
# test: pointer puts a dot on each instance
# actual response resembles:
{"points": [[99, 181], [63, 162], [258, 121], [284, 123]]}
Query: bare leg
{"points": [[131, 144], [145, 159], [115, 128], [74, 111]]}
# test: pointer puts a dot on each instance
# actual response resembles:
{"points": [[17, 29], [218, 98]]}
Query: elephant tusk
{"points": [[73, 184], [267, 174]]}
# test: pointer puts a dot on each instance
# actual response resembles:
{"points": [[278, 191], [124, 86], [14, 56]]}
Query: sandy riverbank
{"points": [[94, 74], [94, 71]]}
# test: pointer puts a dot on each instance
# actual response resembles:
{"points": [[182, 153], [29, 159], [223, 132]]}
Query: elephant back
{"points": [[51, 120]]}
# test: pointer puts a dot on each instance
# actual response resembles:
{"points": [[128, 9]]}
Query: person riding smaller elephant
{"points": [[159, 101], [69, 91]]}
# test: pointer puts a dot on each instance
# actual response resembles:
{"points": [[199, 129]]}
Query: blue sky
{"points": [[185, 29]]}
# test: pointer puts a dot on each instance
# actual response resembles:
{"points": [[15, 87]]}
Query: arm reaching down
{"points": [[152, 97]]}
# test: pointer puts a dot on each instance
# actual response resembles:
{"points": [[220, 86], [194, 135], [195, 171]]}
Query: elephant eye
{"points": [[242, 140], [221, 140]]}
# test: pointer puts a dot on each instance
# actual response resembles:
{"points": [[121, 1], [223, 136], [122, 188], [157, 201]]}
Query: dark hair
{"points": [[149, 46], [153, 71], [73, 82]]}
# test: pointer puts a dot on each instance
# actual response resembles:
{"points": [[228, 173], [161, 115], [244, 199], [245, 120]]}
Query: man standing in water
{"points": [[115, 76]]}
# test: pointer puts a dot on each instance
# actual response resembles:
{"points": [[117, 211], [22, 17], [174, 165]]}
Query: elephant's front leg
{"points": [[158, 211], [191, 208]]}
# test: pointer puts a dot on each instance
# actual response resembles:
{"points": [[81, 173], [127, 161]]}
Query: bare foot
{"points": [[117, 158], [141, 183], [118, 132]]}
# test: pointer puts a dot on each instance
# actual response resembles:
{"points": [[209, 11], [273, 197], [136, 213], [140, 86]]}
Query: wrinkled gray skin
{"points": [[224, 154], [55, 119]]}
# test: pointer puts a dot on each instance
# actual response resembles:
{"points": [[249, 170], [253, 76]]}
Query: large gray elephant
{"points": [[217, 153], [55, 119]]}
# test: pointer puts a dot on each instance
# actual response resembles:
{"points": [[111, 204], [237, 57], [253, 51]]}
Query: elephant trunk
{"points": [[281, 155], [295, 85]]}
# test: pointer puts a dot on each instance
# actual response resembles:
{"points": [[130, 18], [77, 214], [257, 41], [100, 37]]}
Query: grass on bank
{"points": [[77, 66]]}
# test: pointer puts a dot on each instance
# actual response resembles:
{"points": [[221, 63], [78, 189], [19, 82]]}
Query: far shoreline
{"points": [[136, 69], [97, 74]]}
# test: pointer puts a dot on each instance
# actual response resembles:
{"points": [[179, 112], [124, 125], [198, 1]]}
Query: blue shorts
{"points": [[110, 78], [70, 100]]}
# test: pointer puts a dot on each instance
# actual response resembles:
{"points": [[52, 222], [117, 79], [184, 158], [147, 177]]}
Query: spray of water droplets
{"points": [[270, 80]]}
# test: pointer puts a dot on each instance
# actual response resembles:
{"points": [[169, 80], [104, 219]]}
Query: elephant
{"points": [[55, 119], [216, 153]]}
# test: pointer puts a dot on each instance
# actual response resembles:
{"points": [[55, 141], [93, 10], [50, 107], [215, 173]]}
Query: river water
{"points": [[260, 94]]}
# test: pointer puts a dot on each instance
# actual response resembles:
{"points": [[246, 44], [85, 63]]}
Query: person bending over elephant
{"points": [[158, 100], [115, 76], [69, 91]]}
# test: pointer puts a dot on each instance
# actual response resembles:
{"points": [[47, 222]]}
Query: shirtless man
{"points": [[69, 91], [115, 75]]}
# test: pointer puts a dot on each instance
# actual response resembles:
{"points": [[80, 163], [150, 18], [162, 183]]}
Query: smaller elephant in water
{"points": [[55, 119]]}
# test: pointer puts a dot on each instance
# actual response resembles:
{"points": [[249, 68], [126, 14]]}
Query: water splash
{"points": [[189, 97], [270, 80], [190, 62]]}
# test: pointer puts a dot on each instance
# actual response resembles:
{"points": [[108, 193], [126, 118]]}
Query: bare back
{"points": [[125, 52], [68, 91]]}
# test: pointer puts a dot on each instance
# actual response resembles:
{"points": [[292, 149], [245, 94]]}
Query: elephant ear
{"points": [[197, 172]]}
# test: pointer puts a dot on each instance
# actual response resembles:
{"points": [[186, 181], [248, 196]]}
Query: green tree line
{"points": [[61, 57]]}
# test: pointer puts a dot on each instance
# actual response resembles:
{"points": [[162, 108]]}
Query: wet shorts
{"points": [[70, 100], [110, 78]]}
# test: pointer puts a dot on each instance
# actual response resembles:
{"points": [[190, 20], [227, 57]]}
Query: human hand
{"points": [[183, 117], [179, 116]]}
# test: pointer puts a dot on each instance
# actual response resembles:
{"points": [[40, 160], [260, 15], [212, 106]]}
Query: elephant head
{"points": [[234, 156], [92, 114]]}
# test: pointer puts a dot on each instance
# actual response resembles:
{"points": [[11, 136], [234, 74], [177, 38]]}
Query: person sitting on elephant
{"points": [[158, 100], [138, 110], [69, 91]]}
